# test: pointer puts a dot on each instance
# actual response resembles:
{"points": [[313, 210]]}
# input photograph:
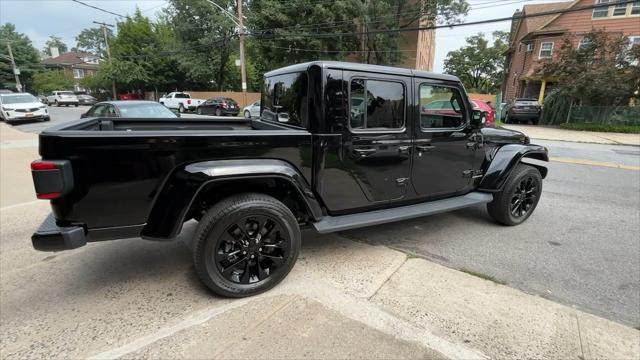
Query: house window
{"points": [[78, 73], [633, 41], [635, 8], [546, 50], [601, 12], [620, 10], [531, 47]]}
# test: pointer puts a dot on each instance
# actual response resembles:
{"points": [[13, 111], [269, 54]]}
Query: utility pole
{"points": [[16, 72], [243, 71], [106, 42]]}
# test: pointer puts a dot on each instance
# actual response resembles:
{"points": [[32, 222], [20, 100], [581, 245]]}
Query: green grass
{"points": [[483, 276], [616, 128]]}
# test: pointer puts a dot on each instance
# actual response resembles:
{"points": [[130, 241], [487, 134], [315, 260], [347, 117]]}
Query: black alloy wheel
{"points": [[246, 244], [519, 196], [524, 196], [252, 249]]}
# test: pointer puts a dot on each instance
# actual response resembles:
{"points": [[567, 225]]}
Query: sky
{"points": [[64, 18]]}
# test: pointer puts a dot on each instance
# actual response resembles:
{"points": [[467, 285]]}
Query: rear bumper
{"points": [[51, 237]]}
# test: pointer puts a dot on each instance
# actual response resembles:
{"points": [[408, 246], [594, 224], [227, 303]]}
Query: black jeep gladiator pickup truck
{"points": [[338, 146]]}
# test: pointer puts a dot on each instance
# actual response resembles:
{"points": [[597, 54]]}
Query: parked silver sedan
{"points": [[252, 110]]}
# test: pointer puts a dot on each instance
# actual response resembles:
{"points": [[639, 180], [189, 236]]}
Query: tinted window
{"points": [[98, 111], [440, 107], [376, 104], [181, 96], [285, 99]]}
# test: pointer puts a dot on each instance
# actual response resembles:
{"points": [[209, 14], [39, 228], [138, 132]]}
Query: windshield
{"points": [[147, 110], [18, 99]]}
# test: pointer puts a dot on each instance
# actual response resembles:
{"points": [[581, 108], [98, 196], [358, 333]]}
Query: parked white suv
{"points": [[59, 98], [181, 101], [16, 107]]}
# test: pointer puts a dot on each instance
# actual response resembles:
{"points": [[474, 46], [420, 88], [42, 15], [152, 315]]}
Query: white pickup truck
{"points": [[181, 101]]}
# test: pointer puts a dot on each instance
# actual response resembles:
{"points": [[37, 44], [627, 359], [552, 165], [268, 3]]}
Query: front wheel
{"points": [[218, 112], [199, 110], [519, 196], [246, 244], [247, 115]]}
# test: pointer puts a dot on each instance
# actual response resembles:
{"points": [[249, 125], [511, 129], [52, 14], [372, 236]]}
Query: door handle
{"points": [[425, 148], [365, 152], [458, 134], [403, 149]]}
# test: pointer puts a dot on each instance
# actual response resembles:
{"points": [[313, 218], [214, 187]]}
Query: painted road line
{"points": [[594, 163]]}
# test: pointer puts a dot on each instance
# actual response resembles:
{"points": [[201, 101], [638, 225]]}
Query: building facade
{"points": [[536, 40], [78, 64]]}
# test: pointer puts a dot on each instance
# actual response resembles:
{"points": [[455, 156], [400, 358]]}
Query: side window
{"points": [[440, 107], [376, 104], [285, 99], [98, 111], [110, 111]]}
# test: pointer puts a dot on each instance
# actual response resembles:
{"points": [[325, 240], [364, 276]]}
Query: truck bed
{"points": [[119, 164]]}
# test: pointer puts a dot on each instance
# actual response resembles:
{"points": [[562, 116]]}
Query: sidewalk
{"points": [[550, 133], [17, 150]]}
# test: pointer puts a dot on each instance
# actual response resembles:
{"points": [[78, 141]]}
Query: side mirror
{"points": [[176, 112], [477, 119], [83, 115]]}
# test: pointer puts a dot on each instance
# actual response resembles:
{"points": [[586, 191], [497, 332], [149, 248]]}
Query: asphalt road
{"points": [[581, 247]]}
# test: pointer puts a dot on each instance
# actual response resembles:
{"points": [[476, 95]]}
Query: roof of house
{"points": [[69, 58], [539, 23]]}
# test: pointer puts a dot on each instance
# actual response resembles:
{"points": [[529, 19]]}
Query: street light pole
{"points": [[15, 69], [243, 70], [106, 42]]}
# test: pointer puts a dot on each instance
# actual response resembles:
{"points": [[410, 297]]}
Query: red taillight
{"points": [[43, 165], [188, 101], [47, 196]]}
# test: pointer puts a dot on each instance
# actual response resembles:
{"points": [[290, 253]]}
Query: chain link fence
{"points": [[618, 115]]}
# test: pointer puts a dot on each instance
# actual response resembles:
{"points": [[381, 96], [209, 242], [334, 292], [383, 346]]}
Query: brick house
{"points": [[79, 64], [537, 39]]}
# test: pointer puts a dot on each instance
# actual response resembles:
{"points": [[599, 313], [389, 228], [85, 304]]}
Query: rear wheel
{"points": [[57, 103], [218, 112], [199, 110], [519, 196], [246, 244], [181, 108]]}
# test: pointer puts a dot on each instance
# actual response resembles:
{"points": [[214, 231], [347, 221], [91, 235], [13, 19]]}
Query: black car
{"points": [[219, 106], [523, 110], [309, 162], [129, 109]]}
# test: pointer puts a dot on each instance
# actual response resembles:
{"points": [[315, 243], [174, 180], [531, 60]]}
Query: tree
{"points": [[92, 40], [27, 57], [603, 74], [140, 55], [48, 81], [384, 48], [205, 39], [55, 42], [479, 65]]}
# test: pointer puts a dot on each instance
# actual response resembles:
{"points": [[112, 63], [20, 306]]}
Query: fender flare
{"points": [[182, 186], [505, 159]]}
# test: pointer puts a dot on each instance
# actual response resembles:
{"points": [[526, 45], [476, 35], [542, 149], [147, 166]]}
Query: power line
{"points": [[434, 27], [97, 8]]}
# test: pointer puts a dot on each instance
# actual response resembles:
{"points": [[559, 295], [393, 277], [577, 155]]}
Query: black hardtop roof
{"points": [[343, 65]]}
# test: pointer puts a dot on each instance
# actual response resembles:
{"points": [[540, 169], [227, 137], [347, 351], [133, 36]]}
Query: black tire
{"points": [[76, 105], [220, 242], [218, 112], [519, 196], [181, 109], [199, 111], [247, 114], [57, 103]]}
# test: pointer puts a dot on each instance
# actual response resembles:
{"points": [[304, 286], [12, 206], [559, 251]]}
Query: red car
{"points": [[490, 113]]}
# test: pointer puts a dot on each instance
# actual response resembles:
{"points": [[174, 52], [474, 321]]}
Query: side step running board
{"points": [[345, 222]]}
